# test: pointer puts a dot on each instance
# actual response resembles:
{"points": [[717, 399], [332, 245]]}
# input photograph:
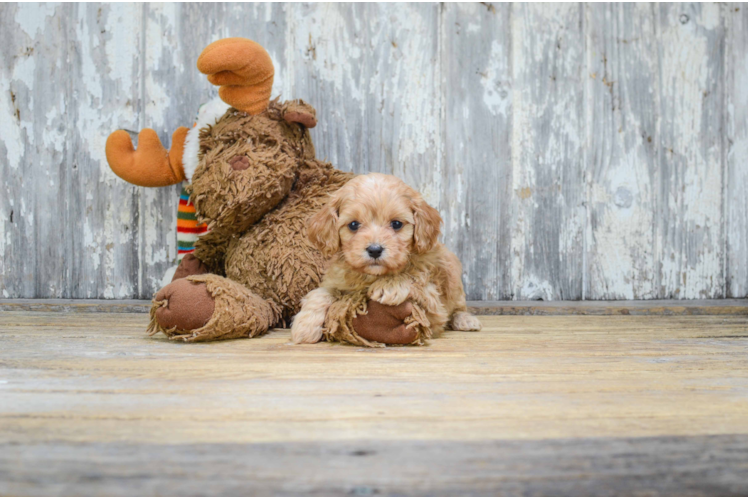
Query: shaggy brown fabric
{"points": [[237, 312], [183, 305], [230, 200], [339, 323], [210, 249], [428, 316], [257, 216], [385, 324], [275, 258], [189, 266], [258, 252]]}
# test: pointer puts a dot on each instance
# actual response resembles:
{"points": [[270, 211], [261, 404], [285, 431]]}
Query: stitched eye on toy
{"points": [[239, 162], [396, 225], [353, 226]]}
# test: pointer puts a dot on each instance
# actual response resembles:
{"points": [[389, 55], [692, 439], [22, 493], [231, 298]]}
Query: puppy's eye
{"points": [[396, 225], [353, 226]]}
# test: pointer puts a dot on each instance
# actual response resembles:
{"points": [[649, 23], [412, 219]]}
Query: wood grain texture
{"points": [[71, 74], [36, 95], [372, 72], [689, 201], [580, 404], [736, 150], [622, 159], [660, 466], [548, 63], [478, 201], [738, 307], [576, 151], [99, 378]]}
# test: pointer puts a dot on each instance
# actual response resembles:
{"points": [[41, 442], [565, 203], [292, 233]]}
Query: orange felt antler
{"points": [[151, 165], [242, 69]]}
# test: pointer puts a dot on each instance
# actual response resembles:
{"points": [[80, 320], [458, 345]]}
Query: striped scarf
{"points": [[188, 228]]}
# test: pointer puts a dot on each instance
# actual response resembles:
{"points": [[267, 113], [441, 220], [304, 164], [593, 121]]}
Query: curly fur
{"points": [[261, 261], [412, 266]]}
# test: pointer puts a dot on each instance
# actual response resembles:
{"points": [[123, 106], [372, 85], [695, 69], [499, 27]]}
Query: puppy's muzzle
{"points": [[375, 250]]}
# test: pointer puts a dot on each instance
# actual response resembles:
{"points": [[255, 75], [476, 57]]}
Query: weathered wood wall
{"points": [[575, 150]]}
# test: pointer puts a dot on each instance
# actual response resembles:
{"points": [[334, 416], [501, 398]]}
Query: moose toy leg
{"points": [[210, 307]]}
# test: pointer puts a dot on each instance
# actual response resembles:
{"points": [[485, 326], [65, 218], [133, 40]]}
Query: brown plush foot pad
{"points": [[385, 324], [189, 266], [187, 305]]}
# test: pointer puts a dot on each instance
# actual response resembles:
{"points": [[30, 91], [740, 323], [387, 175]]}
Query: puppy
{"points": [[382, 239]]}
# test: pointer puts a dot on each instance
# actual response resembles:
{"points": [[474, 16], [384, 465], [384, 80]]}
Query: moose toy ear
{"points": [[301, 113]]}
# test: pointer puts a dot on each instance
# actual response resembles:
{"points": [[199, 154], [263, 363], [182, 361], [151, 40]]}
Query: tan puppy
{"points": [[382, 238]]}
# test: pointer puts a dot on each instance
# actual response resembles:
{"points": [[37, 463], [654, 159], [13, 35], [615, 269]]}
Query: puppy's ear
{"points": [[426, 221], [322, 228]]}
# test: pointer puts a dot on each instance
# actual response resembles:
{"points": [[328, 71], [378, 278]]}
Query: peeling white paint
{"points": [[690, 73], [378, 75], [123, 41], [91, 244], [4, 241], [736, 181], [24, 72], [620, 232], [54, 136], [159, 99], [536, 289], [544, 88], [10, 129], [419, 115], [32, 17], [324, 42], [496, 98], [709, 17]]}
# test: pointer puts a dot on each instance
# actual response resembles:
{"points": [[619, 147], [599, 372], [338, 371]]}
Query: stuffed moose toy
{"points": [[254, 180]]}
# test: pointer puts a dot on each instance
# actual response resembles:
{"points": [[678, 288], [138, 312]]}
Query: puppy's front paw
{"points": [[465, 322], [306, 329], [391, 295]]}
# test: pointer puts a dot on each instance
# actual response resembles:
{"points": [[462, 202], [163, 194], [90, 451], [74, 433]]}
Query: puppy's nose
{"points": [[374, 250]]}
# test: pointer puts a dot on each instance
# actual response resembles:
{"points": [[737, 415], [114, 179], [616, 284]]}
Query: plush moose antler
{"points": [[244, 72], [151, 165]]}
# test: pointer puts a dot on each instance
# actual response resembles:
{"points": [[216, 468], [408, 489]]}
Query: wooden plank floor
{"points": [[585, 405]]}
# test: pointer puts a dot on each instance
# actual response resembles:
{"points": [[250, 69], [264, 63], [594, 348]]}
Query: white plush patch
{"points": [[209, 114]]}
